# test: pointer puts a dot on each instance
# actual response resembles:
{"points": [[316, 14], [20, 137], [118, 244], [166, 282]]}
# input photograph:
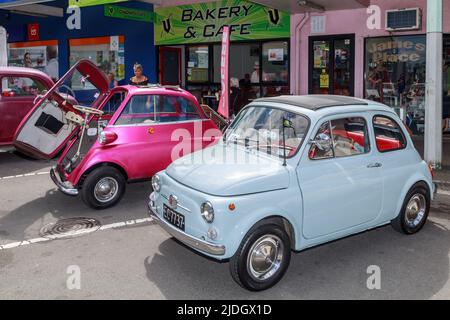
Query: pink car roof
{"points": [[22, 70]]}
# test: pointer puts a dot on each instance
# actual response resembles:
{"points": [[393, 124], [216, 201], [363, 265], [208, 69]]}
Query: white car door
{"points": [[341, 185]]}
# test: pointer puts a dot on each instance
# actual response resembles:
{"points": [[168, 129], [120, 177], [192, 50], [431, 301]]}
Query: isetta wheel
{"points": [[262, 259], [103, 188], [415, 210]]}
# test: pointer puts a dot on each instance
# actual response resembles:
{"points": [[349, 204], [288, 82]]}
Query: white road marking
{"points": [[75, 233], [25, 175]]}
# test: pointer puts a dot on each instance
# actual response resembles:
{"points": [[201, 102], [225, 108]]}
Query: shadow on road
{"points": [[412, 267], [14, 163], [26, 221]]}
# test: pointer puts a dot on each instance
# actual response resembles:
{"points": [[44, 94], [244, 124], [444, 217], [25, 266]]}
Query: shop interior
{"points": [[256, 69]]}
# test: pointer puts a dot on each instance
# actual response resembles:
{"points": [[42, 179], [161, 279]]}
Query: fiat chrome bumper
{"points": [[64, 187], [198, 244]]}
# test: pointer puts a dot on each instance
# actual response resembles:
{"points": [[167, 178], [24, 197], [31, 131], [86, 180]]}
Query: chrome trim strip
{"points": [[178, 204], [64, 189], [200, 245]]}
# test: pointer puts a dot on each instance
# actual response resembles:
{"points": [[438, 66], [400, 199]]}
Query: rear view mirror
{"points": [[322, 142]]}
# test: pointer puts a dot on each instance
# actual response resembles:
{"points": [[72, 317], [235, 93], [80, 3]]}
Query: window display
{"points": [[395, 75], [108, 53], [197, 64], [41, 55], [275, 62]]}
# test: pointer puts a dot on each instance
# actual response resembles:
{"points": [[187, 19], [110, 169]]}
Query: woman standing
{"points": [[112, 81], [139, 79]]}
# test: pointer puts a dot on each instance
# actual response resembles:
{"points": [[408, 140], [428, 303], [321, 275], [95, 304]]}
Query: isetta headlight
{"points": [[207, 211], [156, 183]]}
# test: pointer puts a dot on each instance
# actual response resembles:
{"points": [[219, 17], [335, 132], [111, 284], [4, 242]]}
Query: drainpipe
{"points": [[297, 35], [3, 51], [434, 95]]}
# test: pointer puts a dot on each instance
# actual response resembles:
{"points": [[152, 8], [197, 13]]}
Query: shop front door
{"points": [[332, 64], [170, 66]]}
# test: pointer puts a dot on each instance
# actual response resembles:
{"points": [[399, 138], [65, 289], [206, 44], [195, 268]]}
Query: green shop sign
{"points": [[204, 22], [128, 13], [87, 3]]}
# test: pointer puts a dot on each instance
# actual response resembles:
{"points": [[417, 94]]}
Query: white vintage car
{"points": [[291, 173]]}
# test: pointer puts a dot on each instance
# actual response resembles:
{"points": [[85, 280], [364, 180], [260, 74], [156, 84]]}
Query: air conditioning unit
{"points": [[403, 19]]}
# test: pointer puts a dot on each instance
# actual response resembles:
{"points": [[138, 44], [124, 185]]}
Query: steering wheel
{"points": [[69, 90], [88, 110]]}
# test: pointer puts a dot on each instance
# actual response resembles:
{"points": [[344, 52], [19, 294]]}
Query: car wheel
{"points": [[262, 258], [103, 188], [414, 212]]}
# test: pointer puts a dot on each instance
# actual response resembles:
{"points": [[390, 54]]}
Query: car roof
{"points": [[315, 101], [22, 71], [156, 89], [317, 106]]}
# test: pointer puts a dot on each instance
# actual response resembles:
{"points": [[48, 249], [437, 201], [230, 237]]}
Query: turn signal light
{"points": [[106, 137]]}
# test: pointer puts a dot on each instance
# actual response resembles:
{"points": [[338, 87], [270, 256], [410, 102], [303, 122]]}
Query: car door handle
{"points": [[374, 165]]}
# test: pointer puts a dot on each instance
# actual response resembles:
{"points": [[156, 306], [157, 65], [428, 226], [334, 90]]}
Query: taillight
{"points": [[106, 137], [430, 167]]}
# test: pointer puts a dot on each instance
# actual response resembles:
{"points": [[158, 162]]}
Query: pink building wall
{"points": [[349, 22]]}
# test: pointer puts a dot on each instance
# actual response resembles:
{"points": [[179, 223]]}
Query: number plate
{"points": [[174, 218]]}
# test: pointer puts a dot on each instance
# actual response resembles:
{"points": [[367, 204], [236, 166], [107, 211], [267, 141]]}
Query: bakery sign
{"points": [[204, 22]]}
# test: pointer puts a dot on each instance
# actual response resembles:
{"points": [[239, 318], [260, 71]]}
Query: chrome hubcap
{"points": [[265, 257], [106, 189], [415, 210]]}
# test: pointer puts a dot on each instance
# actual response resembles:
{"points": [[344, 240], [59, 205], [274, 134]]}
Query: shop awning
{"points": [[300, 6]]}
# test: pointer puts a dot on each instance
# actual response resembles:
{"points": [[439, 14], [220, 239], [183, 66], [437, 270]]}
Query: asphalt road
{"points": [[137, 260]]}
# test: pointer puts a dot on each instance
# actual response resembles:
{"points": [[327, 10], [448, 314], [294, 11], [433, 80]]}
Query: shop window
{"points": [[150, 109], [41, 55], [388, 134], [395, 75], [21, 86], [198, 64], [275, 66], [107, 53], [244, 63]]}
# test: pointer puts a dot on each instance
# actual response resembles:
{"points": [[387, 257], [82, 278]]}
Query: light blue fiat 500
{"points": [[293, 172]]}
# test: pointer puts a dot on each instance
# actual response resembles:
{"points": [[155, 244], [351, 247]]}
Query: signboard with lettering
{"points": [[128, 13], [33, 32], [204, 22], [87, 3]]}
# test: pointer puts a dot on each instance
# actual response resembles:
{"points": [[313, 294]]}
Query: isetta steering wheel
{"points": [[88, 110]]}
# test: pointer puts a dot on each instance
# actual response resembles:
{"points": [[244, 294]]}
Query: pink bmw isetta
{"points": [[127, 133]]}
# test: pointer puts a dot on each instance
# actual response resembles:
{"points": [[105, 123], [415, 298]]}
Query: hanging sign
{"points": [[33, 32], [204, 22]]}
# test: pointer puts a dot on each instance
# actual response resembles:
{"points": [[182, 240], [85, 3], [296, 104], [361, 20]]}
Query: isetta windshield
{"points": [[261, 128]]}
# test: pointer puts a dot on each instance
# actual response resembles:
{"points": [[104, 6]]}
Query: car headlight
{"points": [[207, 211], [156, 183]]}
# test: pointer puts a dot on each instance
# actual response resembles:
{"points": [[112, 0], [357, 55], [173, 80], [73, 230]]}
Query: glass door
{"points": [[170, 66], [331, 66]]}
